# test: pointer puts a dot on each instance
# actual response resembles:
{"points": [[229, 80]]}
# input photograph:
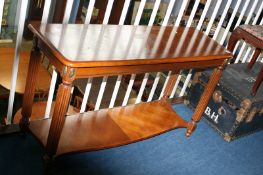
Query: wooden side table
{"points": [[252, 34], [83, 51]]}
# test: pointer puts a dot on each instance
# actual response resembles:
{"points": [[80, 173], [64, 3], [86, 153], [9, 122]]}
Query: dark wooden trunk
{"points": [[232, 111]]}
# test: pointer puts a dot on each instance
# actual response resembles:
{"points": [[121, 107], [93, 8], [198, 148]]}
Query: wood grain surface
{"points": [[79, 45], [111, 127]]}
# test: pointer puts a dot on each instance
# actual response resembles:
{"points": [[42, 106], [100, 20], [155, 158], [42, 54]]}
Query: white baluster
{"points": [[86, 96], [89, 11], [129, 89], [222, 19], [188, 78], [115, 91], [51, 93], [168, 13], [230, 22], [176, 85], [261, 22], [44, 20], [21, 23], [139, 97], [67, 12], [211, 21], [101, 92], [124, 11], [181, 12], [191, 17], [202, 18], [154, 12], [46, 11], [155, 83], [1, 12], [139, 13], [107, 12]]}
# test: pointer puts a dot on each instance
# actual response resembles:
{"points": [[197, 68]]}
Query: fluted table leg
{"points": [[203, 102], [35, 58], [60, 110]]}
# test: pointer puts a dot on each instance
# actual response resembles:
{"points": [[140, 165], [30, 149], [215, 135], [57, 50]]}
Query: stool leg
{"points": [[254, 58], [28, 98]]}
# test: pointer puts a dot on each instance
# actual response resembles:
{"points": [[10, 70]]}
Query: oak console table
{"points": [[82, 51]]}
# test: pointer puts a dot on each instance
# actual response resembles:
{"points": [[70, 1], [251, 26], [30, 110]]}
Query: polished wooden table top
{"points": [[6, 66], [79, 45]]}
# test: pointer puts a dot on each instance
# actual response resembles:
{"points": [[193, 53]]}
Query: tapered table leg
{"points": [[203, 102], [35, 58], [60, 109]]}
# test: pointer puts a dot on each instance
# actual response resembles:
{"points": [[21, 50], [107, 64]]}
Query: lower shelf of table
{"points": [[111, 127]]}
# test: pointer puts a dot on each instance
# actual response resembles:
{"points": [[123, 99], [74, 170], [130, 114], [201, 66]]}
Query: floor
{"points": [[204, 153]]}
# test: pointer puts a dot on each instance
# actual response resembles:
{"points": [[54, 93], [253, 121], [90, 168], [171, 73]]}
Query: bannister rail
{"points": [[216, 18]]}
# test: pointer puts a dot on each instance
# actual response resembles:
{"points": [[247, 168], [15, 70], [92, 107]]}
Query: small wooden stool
{"points": [[252, 34]]}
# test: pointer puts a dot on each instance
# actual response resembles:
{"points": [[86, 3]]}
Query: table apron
{"points": [[52, 57], [139, 69], [85, 72]]}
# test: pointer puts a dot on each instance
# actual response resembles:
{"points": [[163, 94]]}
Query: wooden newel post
{"points": [[203, 102], [60, 110], [35, 58]]}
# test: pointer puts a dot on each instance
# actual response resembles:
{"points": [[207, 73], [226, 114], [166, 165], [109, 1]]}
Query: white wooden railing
{"points": [[212, 21]]}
